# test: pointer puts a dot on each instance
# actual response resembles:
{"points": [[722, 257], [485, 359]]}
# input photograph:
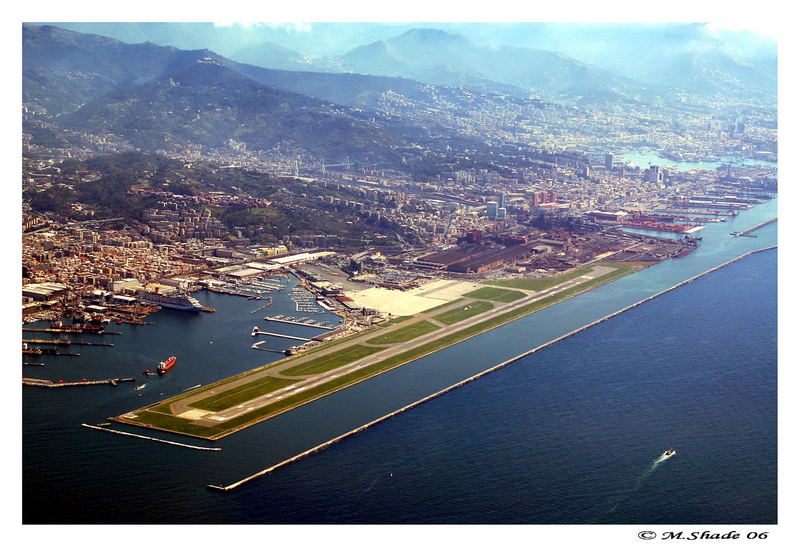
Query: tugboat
{"points": [[164, 366]]}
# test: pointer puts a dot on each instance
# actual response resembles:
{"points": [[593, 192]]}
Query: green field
{"points": [[442, 306], [395, 321], [545, 283], [463, 312], [409, 332], [498, 295], [173, 423], [331, 361]]}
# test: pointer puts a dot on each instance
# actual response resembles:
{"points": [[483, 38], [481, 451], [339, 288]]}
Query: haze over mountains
{"points": [[162, 98], [547, 57], [395, 102]]}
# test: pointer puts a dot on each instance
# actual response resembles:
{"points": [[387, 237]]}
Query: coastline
{"points": [[438, 344], [474, 377]]}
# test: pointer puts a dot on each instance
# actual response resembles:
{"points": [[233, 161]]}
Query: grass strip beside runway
{"points": [[459, 314], [409, 332], [540, 284], [496, 294], [331, 361]]}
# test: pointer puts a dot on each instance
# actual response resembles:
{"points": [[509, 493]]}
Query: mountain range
{"points": [[554, 60], [157, 97], [163, 98]]}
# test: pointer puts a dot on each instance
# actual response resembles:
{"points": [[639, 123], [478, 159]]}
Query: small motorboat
{"points": [[141, 387], [668, 454]]}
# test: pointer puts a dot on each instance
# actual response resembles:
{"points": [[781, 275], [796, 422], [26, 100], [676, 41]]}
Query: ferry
{"points": [[164, 366]]}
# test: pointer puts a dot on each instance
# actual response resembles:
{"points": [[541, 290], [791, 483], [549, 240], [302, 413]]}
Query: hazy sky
{"points": [[764, 18]]}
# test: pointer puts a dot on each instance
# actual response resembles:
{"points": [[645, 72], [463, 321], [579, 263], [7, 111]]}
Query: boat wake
{"points": [[662, 458], [641, 478]]}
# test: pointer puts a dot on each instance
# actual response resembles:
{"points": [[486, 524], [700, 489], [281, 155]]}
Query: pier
{"points": [[441, 392], [269, 303], [37, 382], [746, 233], [257, 331], [67, 343], [151, 438], [257, 345], [695, 211], [68, 331], [233, 292], [293, 321]]}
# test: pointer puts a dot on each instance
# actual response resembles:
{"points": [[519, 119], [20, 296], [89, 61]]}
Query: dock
{"points": [[257, 345], [257, 331], [67, 343], [151, 438], [38, 382], [233, 292], [269, 303], [293, 321], [67, 331], [48, 351]]}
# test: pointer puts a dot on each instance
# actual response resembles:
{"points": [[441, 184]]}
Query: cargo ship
{"points": [[175, 301], [164, 366]]}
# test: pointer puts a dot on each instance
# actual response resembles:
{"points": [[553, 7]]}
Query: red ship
{"points": [[164, 366]]}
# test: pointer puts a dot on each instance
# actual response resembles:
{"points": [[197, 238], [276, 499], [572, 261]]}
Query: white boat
{"points": [[668, 454]]}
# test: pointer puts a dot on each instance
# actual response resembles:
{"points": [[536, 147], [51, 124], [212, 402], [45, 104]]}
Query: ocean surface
{"points": [[568, 435]]}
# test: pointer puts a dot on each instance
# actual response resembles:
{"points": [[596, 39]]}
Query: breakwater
{"points": [[151, 438], [754, 228], [465, 381]]}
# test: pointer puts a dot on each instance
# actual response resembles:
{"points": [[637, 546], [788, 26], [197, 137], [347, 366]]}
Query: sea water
{"points": [[567, 435]]}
